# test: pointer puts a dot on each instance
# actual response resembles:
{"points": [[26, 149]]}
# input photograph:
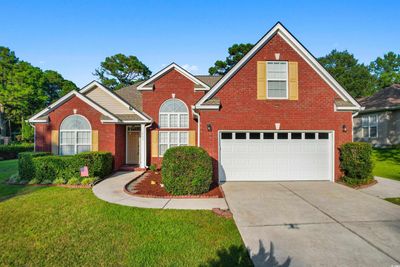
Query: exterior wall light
{"points": [[344, 128], [209, 127]]}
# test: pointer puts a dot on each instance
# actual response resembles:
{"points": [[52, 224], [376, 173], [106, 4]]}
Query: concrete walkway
{"points": [[385, 188], [112, 190]]}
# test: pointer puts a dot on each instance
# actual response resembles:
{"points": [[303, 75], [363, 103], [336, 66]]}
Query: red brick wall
{"points": [[111, 136], [241, 109], [171, 83]]}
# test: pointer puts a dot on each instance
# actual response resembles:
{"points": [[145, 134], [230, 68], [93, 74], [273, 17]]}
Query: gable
{"points": [[278, 31], [103, 99]]}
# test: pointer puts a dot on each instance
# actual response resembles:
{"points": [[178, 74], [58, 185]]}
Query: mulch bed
{"points": [[144, 188], [373, 182]]}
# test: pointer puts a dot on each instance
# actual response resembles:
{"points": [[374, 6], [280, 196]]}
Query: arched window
{"points": [[174, 114], [75, 135]]}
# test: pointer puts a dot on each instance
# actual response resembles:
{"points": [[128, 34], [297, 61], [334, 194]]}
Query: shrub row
{"points": [[356, 162], [12, 151], [49, 168], [186, 170]]}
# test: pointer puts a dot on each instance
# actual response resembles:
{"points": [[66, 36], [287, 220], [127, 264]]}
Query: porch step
{"points": [[131, 168]]}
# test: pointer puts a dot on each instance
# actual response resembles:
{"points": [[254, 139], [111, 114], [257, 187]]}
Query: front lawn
{"points": [[52, 226], [387, 163], [395, 200]]}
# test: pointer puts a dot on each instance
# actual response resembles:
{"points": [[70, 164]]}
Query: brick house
{"points": [[276, 115]]}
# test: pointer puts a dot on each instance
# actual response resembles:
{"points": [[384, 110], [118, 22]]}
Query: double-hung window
{"points": [[174, 114], [172, 139], [369, 124], [75, 135], [277, 79]]}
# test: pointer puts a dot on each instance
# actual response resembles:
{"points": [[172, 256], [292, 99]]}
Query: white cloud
{"points": [[190, 68]]}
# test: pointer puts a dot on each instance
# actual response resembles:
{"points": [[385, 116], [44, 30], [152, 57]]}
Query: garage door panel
{"points": [[275, 159]]}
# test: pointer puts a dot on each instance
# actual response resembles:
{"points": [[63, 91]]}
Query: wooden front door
{"points": [[132, 147]]}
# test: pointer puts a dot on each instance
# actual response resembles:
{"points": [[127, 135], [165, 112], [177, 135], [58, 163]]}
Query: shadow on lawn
{"points": [[8, 191], [238, 256], [383, 154]]}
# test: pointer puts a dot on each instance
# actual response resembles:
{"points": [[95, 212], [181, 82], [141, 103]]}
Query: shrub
{"points": [[73, 181], [26, 168], [186, 170], [34, 181], [356, 162], [11, 151], [59, 181], [99, 163], [88, 180], [153, 167], [45, 182]]}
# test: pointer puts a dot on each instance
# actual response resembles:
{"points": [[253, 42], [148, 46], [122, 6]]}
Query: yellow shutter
{"points": [[95, 140], [261, 80], [192, 138], [293, 81], [54, 142], [154, 144]]}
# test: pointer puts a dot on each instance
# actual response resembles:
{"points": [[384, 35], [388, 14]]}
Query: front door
{"points": [[132, 146]]}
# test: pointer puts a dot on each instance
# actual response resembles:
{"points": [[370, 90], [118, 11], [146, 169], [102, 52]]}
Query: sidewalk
{"points": [[385, 188], [112, 190]]}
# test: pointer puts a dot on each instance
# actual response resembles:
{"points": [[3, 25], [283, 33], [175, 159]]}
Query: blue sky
{"points": [[73, 37]]}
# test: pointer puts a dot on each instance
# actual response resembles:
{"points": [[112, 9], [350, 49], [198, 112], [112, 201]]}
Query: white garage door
{"points": [[275, 156]]}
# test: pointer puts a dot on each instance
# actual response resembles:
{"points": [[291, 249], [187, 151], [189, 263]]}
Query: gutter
{"points": [[198, 125]]}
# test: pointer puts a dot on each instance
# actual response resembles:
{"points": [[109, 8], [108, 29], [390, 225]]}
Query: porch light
{"points": [[209, 127], [344, 128]]}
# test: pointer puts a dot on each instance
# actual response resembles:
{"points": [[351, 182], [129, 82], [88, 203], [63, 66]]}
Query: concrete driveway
{"points": [[314, 224]]}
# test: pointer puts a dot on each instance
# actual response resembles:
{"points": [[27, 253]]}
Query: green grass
{"points": [[53, 226], [387, 163], [395, 200]]}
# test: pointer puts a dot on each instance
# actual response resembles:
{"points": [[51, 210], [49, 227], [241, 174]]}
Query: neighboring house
{"points": [[379, 121], [276, 115]]}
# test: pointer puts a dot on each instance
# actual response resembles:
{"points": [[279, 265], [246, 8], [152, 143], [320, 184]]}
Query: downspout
{"points": [[198, 125], [145, 142], [34, 135], [352, 122]]}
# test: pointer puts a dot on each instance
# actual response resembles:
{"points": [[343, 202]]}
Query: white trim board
{"points": [[298, 47], [142, 87]]}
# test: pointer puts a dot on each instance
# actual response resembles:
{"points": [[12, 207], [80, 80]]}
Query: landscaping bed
{"points": [[143, 187]]}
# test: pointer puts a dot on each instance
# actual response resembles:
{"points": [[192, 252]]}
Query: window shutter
{"points": [[293, 81], [192, 138], [154, 144], [95, 140], [54, 142], [261, 80]]}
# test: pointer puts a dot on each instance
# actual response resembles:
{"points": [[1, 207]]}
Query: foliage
{"points": [[352, 75], [46, 182], [11, 151], [119, 70], [25, 164], [56, 86], [236, 53], [34, 181], [186, 170], [386, 70], [59, 181], [27, 132], [74, 181], [356, 161], [387, 162], [99, 163], [88, 181], [357, 181], [153, 167]]}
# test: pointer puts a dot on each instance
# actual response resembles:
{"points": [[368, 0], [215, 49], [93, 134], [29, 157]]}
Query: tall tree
{"points": [[120, 70], [236, 53], [56, 86], [386, 70], [353, 76]]}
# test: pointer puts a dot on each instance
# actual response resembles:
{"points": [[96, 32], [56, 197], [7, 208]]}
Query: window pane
{"points": [[323, 136], [83, 138], [373, 130], [163, 138], [173, 120], [277, 70], [268, 135], [67, 138], [240, 135], [364, 121], [82, 148], [296, 135], [310, 135], [67, 150], [163, 120], [184, 121], [283, 135], [276, 89], [373, 120], [163, 148], [226, 135], [173, 137], [174, 105], [365, 132], [183, 138], [75, 122], [255, 135]]}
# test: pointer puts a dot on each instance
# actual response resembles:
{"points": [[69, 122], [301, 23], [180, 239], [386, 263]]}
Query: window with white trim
{"points": [[174, 114], [369, 124], [171, 139], [277, 79], [75, 135]]}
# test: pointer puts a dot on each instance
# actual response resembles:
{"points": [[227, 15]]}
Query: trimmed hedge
{"points": [[356, 162], [12, 151], [25, 165], [66, 167], [186, 170]]}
